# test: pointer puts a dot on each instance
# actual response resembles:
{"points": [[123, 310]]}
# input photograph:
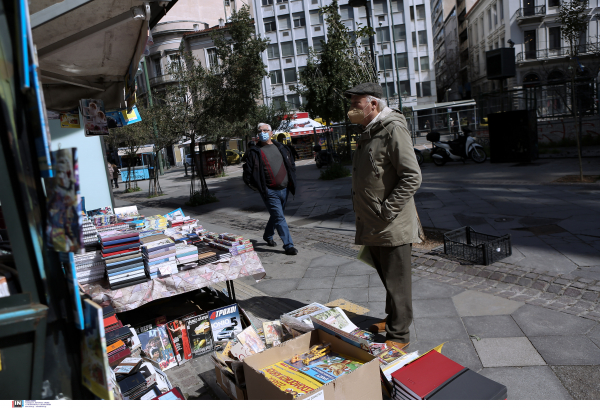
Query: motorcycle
{"points": [[325, 158], [420, 157], [461, 149]]}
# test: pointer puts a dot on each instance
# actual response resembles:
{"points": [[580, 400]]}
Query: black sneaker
{"points": [[291, 251], [271, 243]]}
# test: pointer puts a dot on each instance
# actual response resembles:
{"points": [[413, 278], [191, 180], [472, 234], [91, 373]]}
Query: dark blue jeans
{"points": [[275, 201]]}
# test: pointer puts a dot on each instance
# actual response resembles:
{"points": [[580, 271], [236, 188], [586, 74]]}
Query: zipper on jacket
{"points": [[375, 169]]}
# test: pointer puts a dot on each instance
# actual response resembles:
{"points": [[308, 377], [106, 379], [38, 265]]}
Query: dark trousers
{"points": [[275, 200], [394, 269], [116, 181]]}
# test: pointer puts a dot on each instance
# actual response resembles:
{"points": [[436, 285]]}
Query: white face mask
{"points": [[357, 116]]}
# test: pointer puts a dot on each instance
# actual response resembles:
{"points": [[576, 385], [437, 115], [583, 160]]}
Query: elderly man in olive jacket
{"points": [[385, 178]]}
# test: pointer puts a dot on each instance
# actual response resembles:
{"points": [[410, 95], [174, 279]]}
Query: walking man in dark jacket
{"points": [[271, 170]]}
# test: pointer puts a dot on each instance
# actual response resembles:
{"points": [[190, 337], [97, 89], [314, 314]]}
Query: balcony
{"points": [[549, 53], [162, 79], [529, 13]]}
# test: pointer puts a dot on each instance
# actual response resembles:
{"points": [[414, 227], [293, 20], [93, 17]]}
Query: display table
{"points": [[132, 297]]}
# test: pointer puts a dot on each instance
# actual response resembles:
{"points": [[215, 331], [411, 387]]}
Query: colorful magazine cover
{"points": [[64, 227], [290, 380], [225, 323], [179, 340], [95, 370], [273, 332], [69, 120], [199, 335], [330, 368], [390, 355], [249, 338], [363, 334], [337, 318], [303, 313], [154, 348], [94, 117]]}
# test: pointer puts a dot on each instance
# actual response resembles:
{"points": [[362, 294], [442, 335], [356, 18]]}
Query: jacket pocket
{"points": [[372, 159], [376, 203]]}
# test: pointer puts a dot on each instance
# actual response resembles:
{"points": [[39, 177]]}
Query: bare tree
{"points": [[449, 72]]}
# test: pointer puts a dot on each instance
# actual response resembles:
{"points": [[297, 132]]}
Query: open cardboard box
{"points": [[364, 383], [229, 386]]}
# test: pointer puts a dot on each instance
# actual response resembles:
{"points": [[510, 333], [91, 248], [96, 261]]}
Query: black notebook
{"points": [[470, 386]]}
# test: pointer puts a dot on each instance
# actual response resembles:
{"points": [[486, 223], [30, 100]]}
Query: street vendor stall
{"points": [[303, 133]]}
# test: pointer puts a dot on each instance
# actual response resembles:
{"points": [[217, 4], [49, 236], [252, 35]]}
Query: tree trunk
{"points": [[193, 165], [576, 116]]}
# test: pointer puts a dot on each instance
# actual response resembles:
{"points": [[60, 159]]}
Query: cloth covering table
{"points": [[132, 297]]}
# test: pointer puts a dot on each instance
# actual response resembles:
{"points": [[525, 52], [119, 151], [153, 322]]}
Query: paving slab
{"points": [[377, 294], [355, 268], [429, 289], [440, 329], [310, 295], [276, 287], [581, 381], [360, 281], [328, 260], [320, 272], [356, 295], [316, 283], [528, 383], [594, 335], [473, 303], [492, 326], [507, 352], [434, 308], [539, 321], [567, 350]]}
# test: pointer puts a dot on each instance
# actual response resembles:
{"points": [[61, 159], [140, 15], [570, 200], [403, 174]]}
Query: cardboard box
{"points": [[364, 383], [229, 386]]}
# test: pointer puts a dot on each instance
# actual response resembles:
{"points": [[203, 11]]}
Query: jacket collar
{"points": [[376, 124]]}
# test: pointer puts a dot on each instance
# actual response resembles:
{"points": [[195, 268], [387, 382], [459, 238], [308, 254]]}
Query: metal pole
{"points": [[396, 56], [387, 97], [371, 41]]}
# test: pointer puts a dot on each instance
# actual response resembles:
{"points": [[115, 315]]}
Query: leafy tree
{"points": [[278, 117], [573, 17], [340, 65]]}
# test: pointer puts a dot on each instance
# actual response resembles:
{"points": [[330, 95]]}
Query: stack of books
{"points": [[90, 234], [186, 254], [434, 376], [159, 255], [104, 219], [125, 270], [133, 386], [89, 266], [110, 227]]}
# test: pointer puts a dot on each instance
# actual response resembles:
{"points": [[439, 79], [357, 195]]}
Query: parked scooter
{"points": [[461, 149], [420, 157]]}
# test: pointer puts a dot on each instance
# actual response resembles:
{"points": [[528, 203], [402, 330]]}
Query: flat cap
{"points": [[368, 88]]}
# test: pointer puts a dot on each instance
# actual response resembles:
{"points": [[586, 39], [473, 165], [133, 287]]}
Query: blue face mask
{"points": [[264, 136]]}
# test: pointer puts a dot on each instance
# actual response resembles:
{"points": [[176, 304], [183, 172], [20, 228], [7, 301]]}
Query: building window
{"points": [[267, 2], [290, 75], [421, 12], [318, 44], [282, 1], [475, 32], [405, 88], [553, 3], [495, 15], [315, 17], [383, 34], [412, 13], [278, 102], [414, 38], [157, 67], [554, 38], [416, 62], [400, 32], [502, 43], [301, 47], [299, 20], [402, 60], [273, 51], [419, 90], [213, 61], [501, 9], [397, 6], [424, 63], [275, 77], [284, 22], [346, 12], [489, 13], [379, 7], [287, 49], [270, 24], [294, 101], [530, 42], [423, 37], [388, 89], [426, 88], [385, 62]]}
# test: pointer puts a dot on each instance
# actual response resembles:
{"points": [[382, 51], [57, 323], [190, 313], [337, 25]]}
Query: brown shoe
{"points": [[396, 344], [378, 327]]}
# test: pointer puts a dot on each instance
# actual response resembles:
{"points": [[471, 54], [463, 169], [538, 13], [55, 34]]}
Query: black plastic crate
{"points": [[483, 249]]}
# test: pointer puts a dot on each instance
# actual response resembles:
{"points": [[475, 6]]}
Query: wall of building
{"points": [[93, 178]]}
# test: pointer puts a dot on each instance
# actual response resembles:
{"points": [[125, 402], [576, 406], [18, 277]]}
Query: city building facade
{"points": [[403, 45]]}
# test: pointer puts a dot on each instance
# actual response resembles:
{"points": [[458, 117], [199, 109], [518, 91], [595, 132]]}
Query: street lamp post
{"points": [[384, 69]]}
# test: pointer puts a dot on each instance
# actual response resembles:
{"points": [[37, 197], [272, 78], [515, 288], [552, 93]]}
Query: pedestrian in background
{"points": [[270, 169], [385, 178], [113, 171]]}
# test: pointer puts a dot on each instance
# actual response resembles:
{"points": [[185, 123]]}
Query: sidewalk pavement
{"points": [[530, 322]]}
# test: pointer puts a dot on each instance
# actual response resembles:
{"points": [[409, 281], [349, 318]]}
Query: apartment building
{"points": [[535, 33], [403, 45]]}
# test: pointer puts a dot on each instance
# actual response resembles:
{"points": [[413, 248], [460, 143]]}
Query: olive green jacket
{"points": [[385, 178]]}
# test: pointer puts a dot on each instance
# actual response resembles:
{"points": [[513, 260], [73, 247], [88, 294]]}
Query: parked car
{"points": [[188, 159], [234, 156]]}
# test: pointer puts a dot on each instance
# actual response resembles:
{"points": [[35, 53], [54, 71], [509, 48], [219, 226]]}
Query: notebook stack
{"points": [[156, 222], [435, 377], [90, 234], [159, 255], [186, 254], [89, 266], [133, 386]]}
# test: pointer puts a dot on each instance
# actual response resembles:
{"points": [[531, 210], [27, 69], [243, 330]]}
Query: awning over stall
{"points": [[87, 49]]}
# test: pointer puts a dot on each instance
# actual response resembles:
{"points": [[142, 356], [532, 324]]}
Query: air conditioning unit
{"points": [[317, 28], [288, 61], [282, 7], [286, 34], [384, 47]]}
